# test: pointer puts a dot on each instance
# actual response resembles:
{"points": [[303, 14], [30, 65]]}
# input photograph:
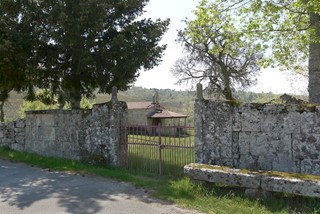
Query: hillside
{"points": [[178, 101]]}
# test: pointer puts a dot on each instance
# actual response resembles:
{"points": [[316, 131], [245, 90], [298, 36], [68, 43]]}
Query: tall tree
{"points": [[290, 30], [81, 45], [218, 54], [14, 54]]}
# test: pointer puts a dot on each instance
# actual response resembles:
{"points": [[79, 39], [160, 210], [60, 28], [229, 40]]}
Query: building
{"points": [[152, 115]]}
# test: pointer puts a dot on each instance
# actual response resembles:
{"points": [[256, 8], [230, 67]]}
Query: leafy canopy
{"points": [[218, 53], [282, 26], [77, 46]]}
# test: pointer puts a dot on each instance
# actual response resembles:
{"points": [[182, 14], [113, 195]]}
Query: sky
{"points": [[160, 77]]}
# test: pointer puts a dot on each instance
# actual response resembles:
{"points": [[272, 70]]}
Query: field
{"points": [[164, 152]]}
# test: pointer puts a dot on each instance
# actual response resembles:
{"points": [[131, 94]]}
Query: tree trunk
{"points": [[314, 62], [2, 112], [75, 98], [227, 92]]}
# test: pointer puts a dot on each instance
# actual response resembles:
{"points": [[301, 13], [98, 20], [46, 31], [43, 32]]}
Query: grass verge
{"points": [[204, 198]]}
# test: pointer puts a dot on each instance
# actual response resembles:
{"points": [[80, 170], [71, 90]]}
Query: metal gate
{"points": [[159, 149]]}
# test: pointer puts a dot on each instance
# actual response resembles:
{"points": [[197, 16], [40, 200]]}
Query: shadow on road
{"points": [[22, 186]]}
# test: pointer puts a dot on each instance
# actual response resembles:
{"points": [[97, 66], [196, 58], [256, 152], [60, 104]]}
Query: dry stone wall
{"points": [[92, 135], [13, 134], [258, 136]]}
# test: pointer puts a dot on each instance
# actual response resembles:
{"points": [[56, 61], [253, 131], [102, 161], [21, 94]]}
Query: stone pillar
{"points": [[198, 124], [117, 139], [103, 134]]}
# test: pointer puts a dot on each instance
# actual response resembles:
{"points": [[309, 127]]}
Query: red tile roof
{"points": [[160, 112], [164, 113]]}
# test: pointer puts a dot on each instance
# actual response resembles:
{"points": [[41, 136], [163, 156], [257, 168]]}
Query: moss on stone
{"points": [[310, 107], [233, 103], [285, 175]]}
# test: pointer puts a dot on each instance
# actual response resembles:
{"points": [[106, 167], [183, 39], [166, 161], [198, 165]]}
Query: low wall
{"points": [[257, 182], [91, 135], [258, 136], [56, 133]]}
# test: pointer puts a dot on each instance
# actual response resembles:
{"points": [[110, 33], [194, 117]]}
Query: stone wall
{"points": [[104, 140], [92, 135], [13, 134], [56, 133], [258, 136]]}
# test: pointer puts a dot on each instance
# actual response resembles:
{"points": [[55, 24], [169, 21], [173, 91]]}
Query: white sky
{"points": [[160, 77]]}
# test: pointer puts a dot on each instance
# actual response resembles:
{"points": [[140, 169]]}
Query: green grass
{"points": [[144, 153], [202, 197]]}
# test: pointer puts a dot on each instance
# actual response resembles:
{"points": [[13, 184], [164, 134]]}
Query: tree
{"points": [[217, 51], [14, 54], [78, 46], [290, 31]]}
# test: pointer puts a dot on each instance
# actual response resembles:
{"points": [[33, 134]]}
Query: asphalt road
{"points": [[26, 189]]}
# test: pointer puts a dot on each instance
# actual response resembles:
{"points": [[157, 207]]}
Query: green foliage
{"points": [[44, 101], [288, 31], [34, 105], [75, 47], [218, 53], [282, 27]]}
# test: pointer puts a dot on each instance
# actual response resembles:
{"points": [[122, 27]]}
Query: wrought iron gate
{"points": [[159, 149]]}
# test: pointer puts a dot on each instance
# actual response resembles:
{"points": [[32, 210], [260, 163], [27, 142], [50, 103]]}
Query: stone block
{"points": [[20, 123], [47, 120], [244, 143], [259, 146], [236, 122], [291, 185], [308, 121], [20, 140], [46, 133], [235, 145], [248, 162], [255, 180], [279, 144], [292, 123], [213, 174], [251, 120], [306, 146], [310, 167], [285, 163], [265, 162], [1, 134], [272, 123], [224, 162]]}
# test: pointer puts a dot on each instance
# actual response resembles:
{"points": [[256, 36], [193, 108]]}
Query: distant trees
{"points": [[217, 51], [72, 47]]}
